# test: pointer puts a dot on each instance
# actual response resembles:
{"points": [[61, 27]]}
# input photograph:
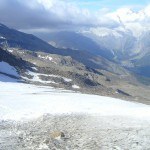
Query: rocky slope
{"points": [[76, 132], [13, 38], [120, 45], [70, 69], [65, 72]]}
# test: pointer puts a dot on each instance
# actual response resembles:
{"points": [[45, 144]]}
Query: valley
{"points": [[64, 97]]}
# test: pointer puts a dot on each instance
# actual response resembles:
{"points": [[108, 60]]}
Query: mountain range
{"points": [[118, 45], [71, 65]]}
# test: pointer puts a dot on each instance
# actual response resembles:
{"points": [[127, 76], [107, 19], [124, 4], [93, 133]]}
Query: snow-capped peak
{"points": [[102, 32]]}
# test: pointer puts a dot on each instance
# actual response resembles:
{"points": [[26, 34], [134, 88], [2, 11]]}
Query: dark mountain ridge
{"points": [[15, 39], [77, 41]]}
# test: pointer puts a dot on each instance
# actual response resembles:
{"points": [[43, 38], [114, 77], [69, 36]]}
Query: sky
{"points": [[95, 5], [54, 15]]}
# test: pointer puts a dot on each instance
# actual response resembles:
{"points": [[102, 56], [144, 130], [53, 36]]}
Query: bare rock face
{"points": [[13, 60]]}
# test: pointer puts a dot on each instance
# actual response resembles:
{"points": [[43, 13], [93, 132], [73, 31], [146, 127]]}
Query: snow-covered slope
{"points": [[19, 100], [29, 113], [8, 69]]}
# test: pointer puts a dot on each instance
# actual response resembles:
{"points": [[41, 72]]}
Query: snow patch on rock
{"points": [[36, 77], [75, 86], [45, 57], [10, 50], [1, 37], [8, 69]]}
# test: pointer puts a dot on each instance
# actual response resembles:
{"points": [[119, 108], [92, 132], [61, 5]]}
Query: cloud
{"points": [[28, 14], [41, 14], [47, 15], [135, 21]]}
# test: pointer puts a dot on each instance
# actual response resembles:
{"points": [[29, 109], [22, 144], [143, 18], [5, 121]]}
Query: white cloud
{"points": [[49, 14], [59, 14], [135, 21], [43, 14], [128, 15]]}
